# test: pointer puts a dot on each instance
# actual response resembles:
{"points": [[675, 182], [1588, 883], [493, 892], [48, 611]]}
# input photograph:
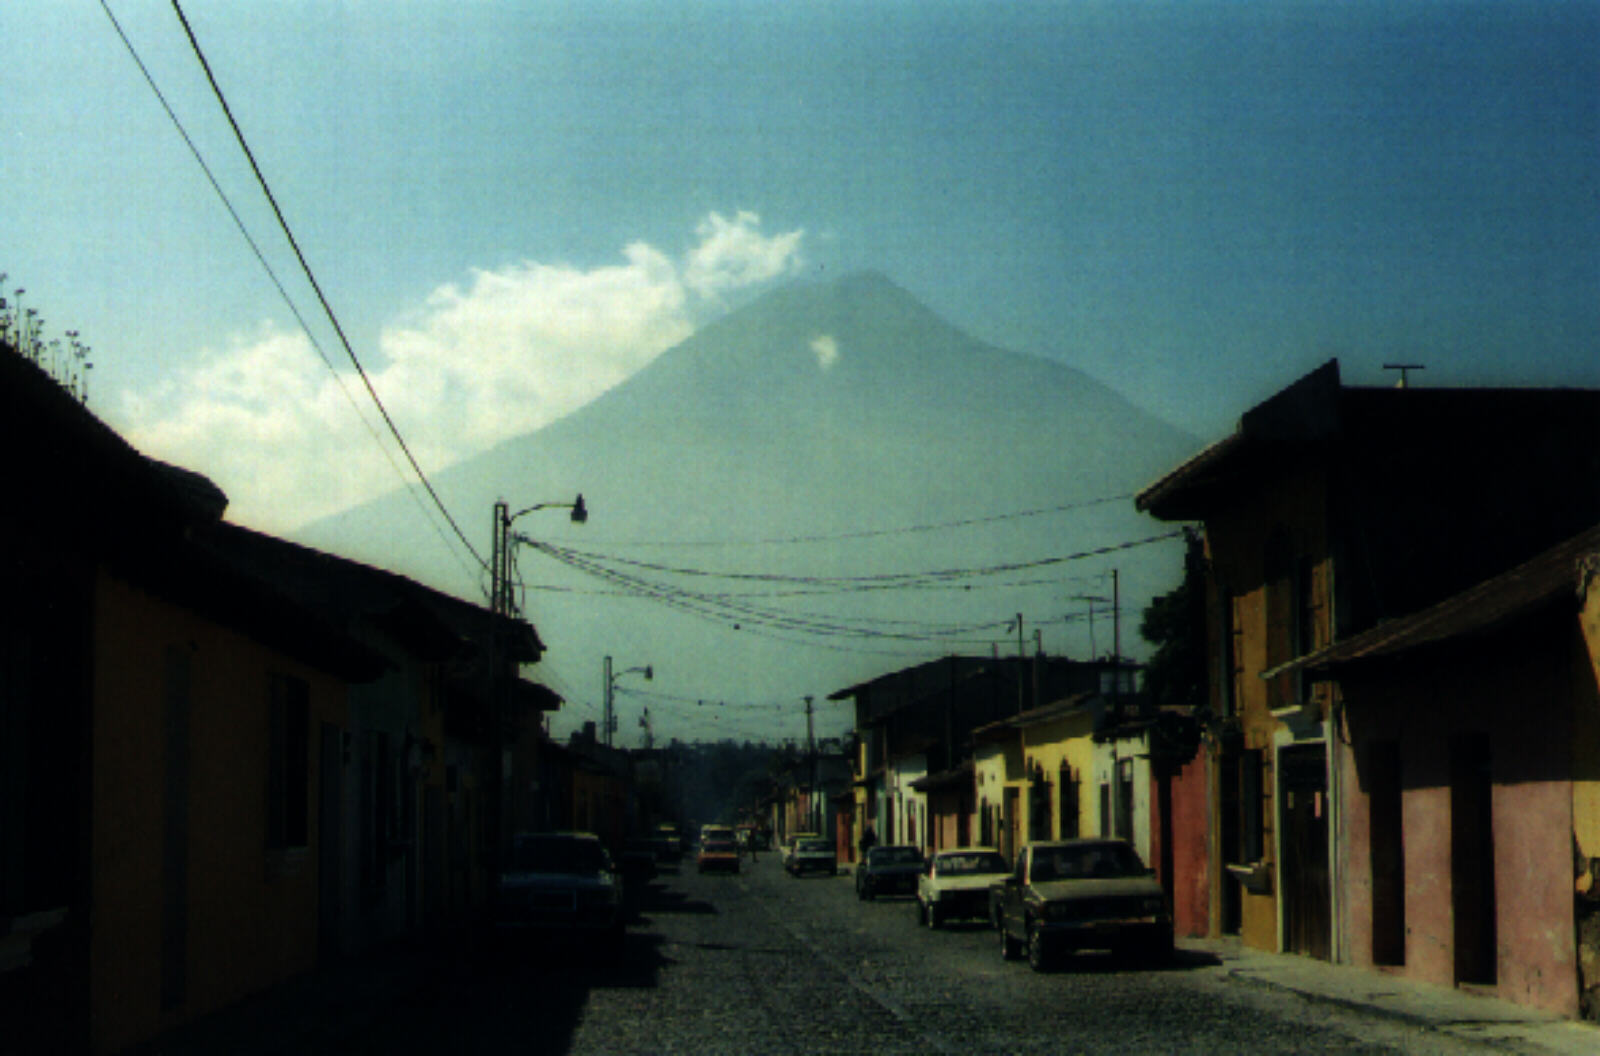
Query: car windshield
{"points": [[1097, 860], [557, 854], [971, 862], [813, 845], [896, 856]]}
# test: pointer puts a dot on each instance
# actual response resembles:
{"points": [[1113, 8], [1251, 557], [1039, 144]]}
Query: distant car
{"points": [[716, 832], [787, 851], [812, 854], [718, 856], [667, 842], [560, 883], [1082, 894], [888, 871], [956, 884]]}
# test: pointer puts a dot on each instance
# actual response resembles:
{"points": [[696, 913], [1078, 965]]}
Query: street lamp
{"points": [[611, 684], [500, 553], [501, 604]]}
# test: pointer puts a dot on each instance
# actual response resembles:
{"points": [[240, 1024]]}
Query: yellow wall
{"points": [[251, 913], [1586, 725], [1236, 543], [1046, 745]]}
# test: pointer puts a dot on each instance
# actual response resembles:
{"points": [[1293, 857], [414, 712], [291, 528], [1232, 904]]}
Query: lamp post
{"points": [[501, 604], [500, 552], [611, 684]]}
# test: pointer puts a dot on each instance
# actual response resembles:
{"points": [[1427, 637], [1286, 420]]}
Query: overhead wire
{"points": [[333, 319], [272, 273], [873, 533]]}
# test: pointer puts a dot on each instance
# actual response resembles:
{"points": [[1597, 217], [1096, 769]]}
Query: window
{"points": [[1067, 783], [1039, 827], [1125, 799], [1279, 567], [1252, 818], [288, 762], [1231, 648]]}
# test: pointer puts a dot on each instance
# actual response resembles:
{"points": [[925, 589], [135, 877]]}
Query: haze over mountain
{"points": [[836, 429]]}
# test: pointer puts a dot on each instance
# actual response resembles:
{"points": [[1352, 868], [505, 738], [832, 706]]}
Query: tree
{"points": [[1175, 623]]}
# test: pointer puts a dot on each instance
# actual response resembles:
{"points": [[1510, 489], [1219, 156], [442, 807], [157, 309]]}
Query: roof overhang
{"points": [[1548, 580]]}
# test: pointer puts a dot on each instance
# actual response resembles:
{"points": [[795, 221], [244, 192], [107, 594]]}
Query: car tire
{"points": [[1038, 958], [1009, 949]]}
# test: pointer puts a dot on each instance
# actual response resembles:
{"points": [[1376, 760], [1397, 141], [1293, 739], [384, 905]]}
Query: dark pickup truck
{"points": [[1082, 895]]}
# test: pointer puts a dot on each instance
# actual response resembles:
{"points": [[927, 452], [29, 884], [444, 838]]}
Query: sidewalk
{"points": [[1443, 1009]]}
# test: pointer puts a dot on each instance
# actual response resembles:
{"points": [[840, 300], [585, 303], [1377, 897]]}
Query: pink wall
{"points": [[1191, 859], [1515, 690]]}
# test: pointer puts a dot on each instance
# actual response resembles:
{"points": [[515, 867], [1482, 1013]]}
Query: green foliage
{"points": [[1175, 623]]}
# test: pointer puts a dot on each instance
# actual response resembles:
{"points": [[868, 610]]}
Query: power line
{"points": [[568, 554], [316, 287], [871, 533], [272, 274]]}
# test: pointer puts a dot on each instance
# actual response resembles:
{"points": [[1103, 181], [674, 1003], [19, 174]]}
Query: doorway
{"points": [[1303, 823], [1472, 895]]}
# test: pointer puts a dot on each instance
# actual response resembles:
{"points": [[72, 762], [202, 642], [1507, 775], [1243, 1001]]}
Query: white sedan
{"points": [[956, 884]]}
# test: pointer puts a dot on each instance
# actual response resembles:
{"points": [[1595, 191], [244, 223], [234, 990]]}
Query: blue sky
{"points": [[1190, 201]]}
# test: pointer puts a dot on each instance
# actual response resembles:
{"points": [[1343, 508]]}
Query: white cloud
{"points": [[826, 346], [734, 253], [511, 350]]}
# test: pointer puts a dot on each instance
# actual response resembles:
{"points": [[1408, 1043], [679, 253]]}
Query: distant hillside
{"points": [[819, 409]]}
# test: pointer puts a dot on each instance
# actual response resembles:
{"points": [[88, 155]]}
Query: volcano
{"points": [[757, 490]]}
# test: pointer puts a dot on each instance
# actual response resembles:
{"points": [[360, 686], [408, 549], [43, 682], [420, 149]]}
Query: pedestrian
{"points": [[869, 840]]}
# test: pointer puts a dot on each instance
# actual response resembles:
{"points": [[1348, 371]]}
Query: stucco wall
{"points": [[1236, 543], [251, 914], [1067, 739], [1191, 855], [1516, 690]]}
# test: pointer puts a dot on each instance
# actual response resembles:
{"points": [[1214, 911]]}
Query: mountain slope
{"points": [[819, 409]]}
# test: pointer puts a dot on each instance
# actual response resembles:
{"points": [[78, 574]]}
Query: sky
{"points": [[512, 206]]}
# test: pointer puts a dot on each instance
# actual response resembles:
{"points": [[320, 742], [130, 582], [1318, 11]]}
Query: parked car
{"points": [[812, 854], [716, 832], [793, 838], [1082, 894], [560, 884], [956, 884], [888, 871], [718, 856]]}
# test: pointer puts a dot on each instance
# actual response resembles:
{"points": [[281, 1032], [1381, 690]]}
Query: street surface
{"points": [[763, 963]]}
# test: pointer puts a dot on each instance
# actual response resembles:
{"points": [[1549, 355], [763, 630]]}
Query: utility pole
{"points": [[610, 720], [811, 750], [1022, 683], [1116, 643]]}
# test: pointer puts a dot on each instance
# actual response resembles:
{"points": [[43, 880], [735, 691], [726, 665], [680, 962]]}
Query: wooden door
{"points": [[1303, 870]]}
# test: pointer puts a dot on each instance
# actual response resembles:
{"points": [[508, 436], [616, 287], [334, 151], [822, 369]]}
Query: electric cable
{"points": [[272, 274], [316, 287]]}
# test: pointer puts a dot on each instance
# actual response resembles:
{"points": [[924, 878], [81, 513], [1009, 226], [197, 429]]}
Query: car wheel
{"points": [[1008, 945], [1037, 958]]}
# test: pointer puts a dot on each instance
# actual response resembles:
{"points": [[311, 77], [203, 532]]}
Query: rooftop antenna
{"points": [[1405, 372]]}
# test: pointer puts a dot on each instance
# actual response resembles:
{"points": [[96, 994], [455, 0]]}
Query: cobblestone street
{"points": [[764, 963]]}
